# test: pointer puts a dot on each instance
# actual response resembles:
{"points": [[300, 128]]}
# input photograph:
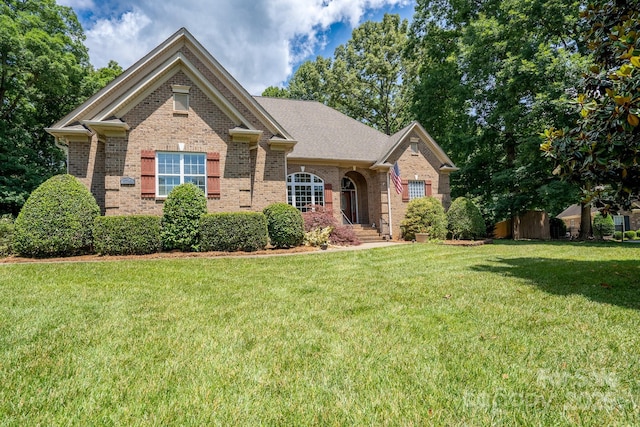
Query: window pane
{"points": [[194, 164], [305, 190], [318, 194], [198, 181], [168, 164], [416, 189], [166, 184], [178, 168]]}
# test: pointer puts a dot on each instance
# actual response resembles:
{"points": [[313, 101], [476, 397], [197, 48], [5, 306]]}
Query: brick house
{"points": [[178, 116]]}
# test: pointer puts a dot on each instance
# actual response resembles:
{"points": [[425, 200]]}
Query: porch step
{"points": [[366, 233]]}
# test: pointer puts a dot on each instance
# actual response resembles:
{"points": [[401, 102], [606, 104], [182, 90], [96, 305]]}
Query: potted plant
{"points": [[422, 236]]}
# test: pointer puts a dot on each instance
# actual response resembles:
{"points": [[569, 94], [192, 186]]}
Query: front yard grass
{"points": [[503, 334]]}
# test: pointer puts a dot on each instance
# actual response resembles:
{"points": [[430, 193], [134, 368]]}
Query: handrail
{"points": [[345, 217]]}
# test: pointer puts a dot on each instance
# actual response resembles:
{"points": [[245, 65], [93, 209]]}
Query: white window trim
{"points": [[291, 188], [182, 174]]}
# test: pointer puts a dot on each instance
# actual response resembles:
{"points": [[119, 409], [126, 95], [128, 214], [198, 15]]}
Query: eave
{"points": [[112, 128]]}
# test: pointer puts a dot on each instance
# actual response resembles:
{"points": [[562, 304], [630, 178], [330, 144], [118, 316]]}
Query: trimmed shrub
{"points": [[314, 220], [317, 236], [557, 228], [181, 214], [341, 235], [285, 225], [465, 220], [630, 235], [603, 226], [56, 219], [617, 235], [424, 215], [7, 228], [127, 235], [344, 236], [236, 231]]}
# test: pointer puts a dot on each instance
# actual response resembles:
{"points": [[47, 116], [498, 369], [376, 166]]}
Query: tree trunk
{"points": [[585, 221]]}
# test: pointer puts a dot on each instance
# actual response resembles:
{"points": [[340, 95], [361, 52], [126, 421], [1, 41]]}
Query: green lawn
{"points": [[503, 334]]}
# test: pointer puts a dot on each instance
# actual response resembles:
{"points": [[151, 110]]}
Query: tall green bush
{"points": [[424, 215], [603, 225], [465, 220], [235, 231], [181, 214], [127, 235], [557, 228], [56, 220], [285, 225]]}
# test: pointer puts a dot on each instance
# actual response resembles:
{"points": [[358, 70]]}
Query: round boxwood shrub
{"points": [[285, 225], [617, 235], [603, 225], [630, 235], [56, 219], [424, 215], [465, 220], [181, 214], [127, 235]]}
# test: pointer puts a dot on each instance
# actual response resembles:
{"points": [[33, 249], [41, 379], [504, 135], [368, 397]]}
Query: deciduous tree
{"points": [[601, 151], [44, 67], [488, 75]]}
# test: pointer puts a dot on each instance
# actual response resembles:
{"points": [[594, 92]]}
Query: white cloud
{"points": [[258, 41]]}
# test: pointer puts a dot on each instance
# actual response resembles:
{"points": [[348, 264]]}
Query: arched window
{"points": [[304, 191]]}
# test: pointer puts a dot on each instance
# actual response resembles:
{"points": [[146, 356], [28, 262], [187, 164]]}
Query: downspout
{"points": [[389, 204], [286, 174]]}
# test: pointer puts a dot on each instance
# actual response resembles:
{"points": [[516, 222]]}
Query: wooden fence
{"points": [[531, 225]]}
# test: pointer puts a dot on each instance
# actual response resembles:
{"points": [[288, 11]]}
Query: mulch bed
{"points": [[159, 255]]}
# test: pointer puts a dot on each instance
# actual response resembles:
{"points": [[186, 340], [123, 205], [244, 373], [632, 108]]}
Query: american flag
{"points": [[395, 177]]}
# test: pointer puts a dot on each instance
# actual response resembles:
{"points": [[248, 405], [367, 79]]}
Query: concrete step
{"points": [[366, 233]]}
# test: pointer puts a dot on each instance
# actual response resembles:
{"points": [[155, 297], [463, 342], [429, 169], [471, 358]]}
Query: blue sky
{"points": [[260, 42]]}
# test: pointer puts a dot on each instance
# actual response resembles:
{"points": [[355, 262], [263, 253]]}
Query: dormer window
{"points": [[180, 98]]}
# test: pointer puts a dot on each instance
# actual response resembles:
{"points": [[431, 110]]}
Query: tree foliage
{"points": [[464, 220], [364, 79], [601, 151], [486, 78], [44, 73], [603, 225]]}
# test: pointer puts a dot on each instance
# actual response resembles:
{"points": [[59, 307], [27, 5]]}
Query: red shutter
{"points": [[148, 173], [405, 190], [328, 198], [213, 175], [427, 188]]}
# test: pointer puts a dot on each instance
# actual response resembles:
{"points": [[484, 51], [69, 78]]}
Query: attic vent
{"points": [[180, 98]]}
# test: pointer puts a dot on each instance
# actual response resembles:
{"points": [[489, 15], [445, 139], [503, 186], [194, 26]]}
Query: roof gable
{"points": [[399, 137], [154, 69]]}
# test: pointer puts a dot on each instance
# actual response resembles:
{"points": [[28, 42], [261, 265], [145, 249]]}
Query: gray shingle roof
{"points": [[325, 133]]}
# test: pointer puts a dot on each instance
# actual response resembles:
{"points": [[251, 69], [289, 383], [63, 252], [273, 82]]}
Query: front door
{"points": [[349, 200]]}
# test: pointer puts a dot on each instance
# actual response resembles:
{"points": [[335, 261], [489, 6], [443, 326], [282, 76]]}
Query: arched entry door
{"points": [[349, 200]]}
